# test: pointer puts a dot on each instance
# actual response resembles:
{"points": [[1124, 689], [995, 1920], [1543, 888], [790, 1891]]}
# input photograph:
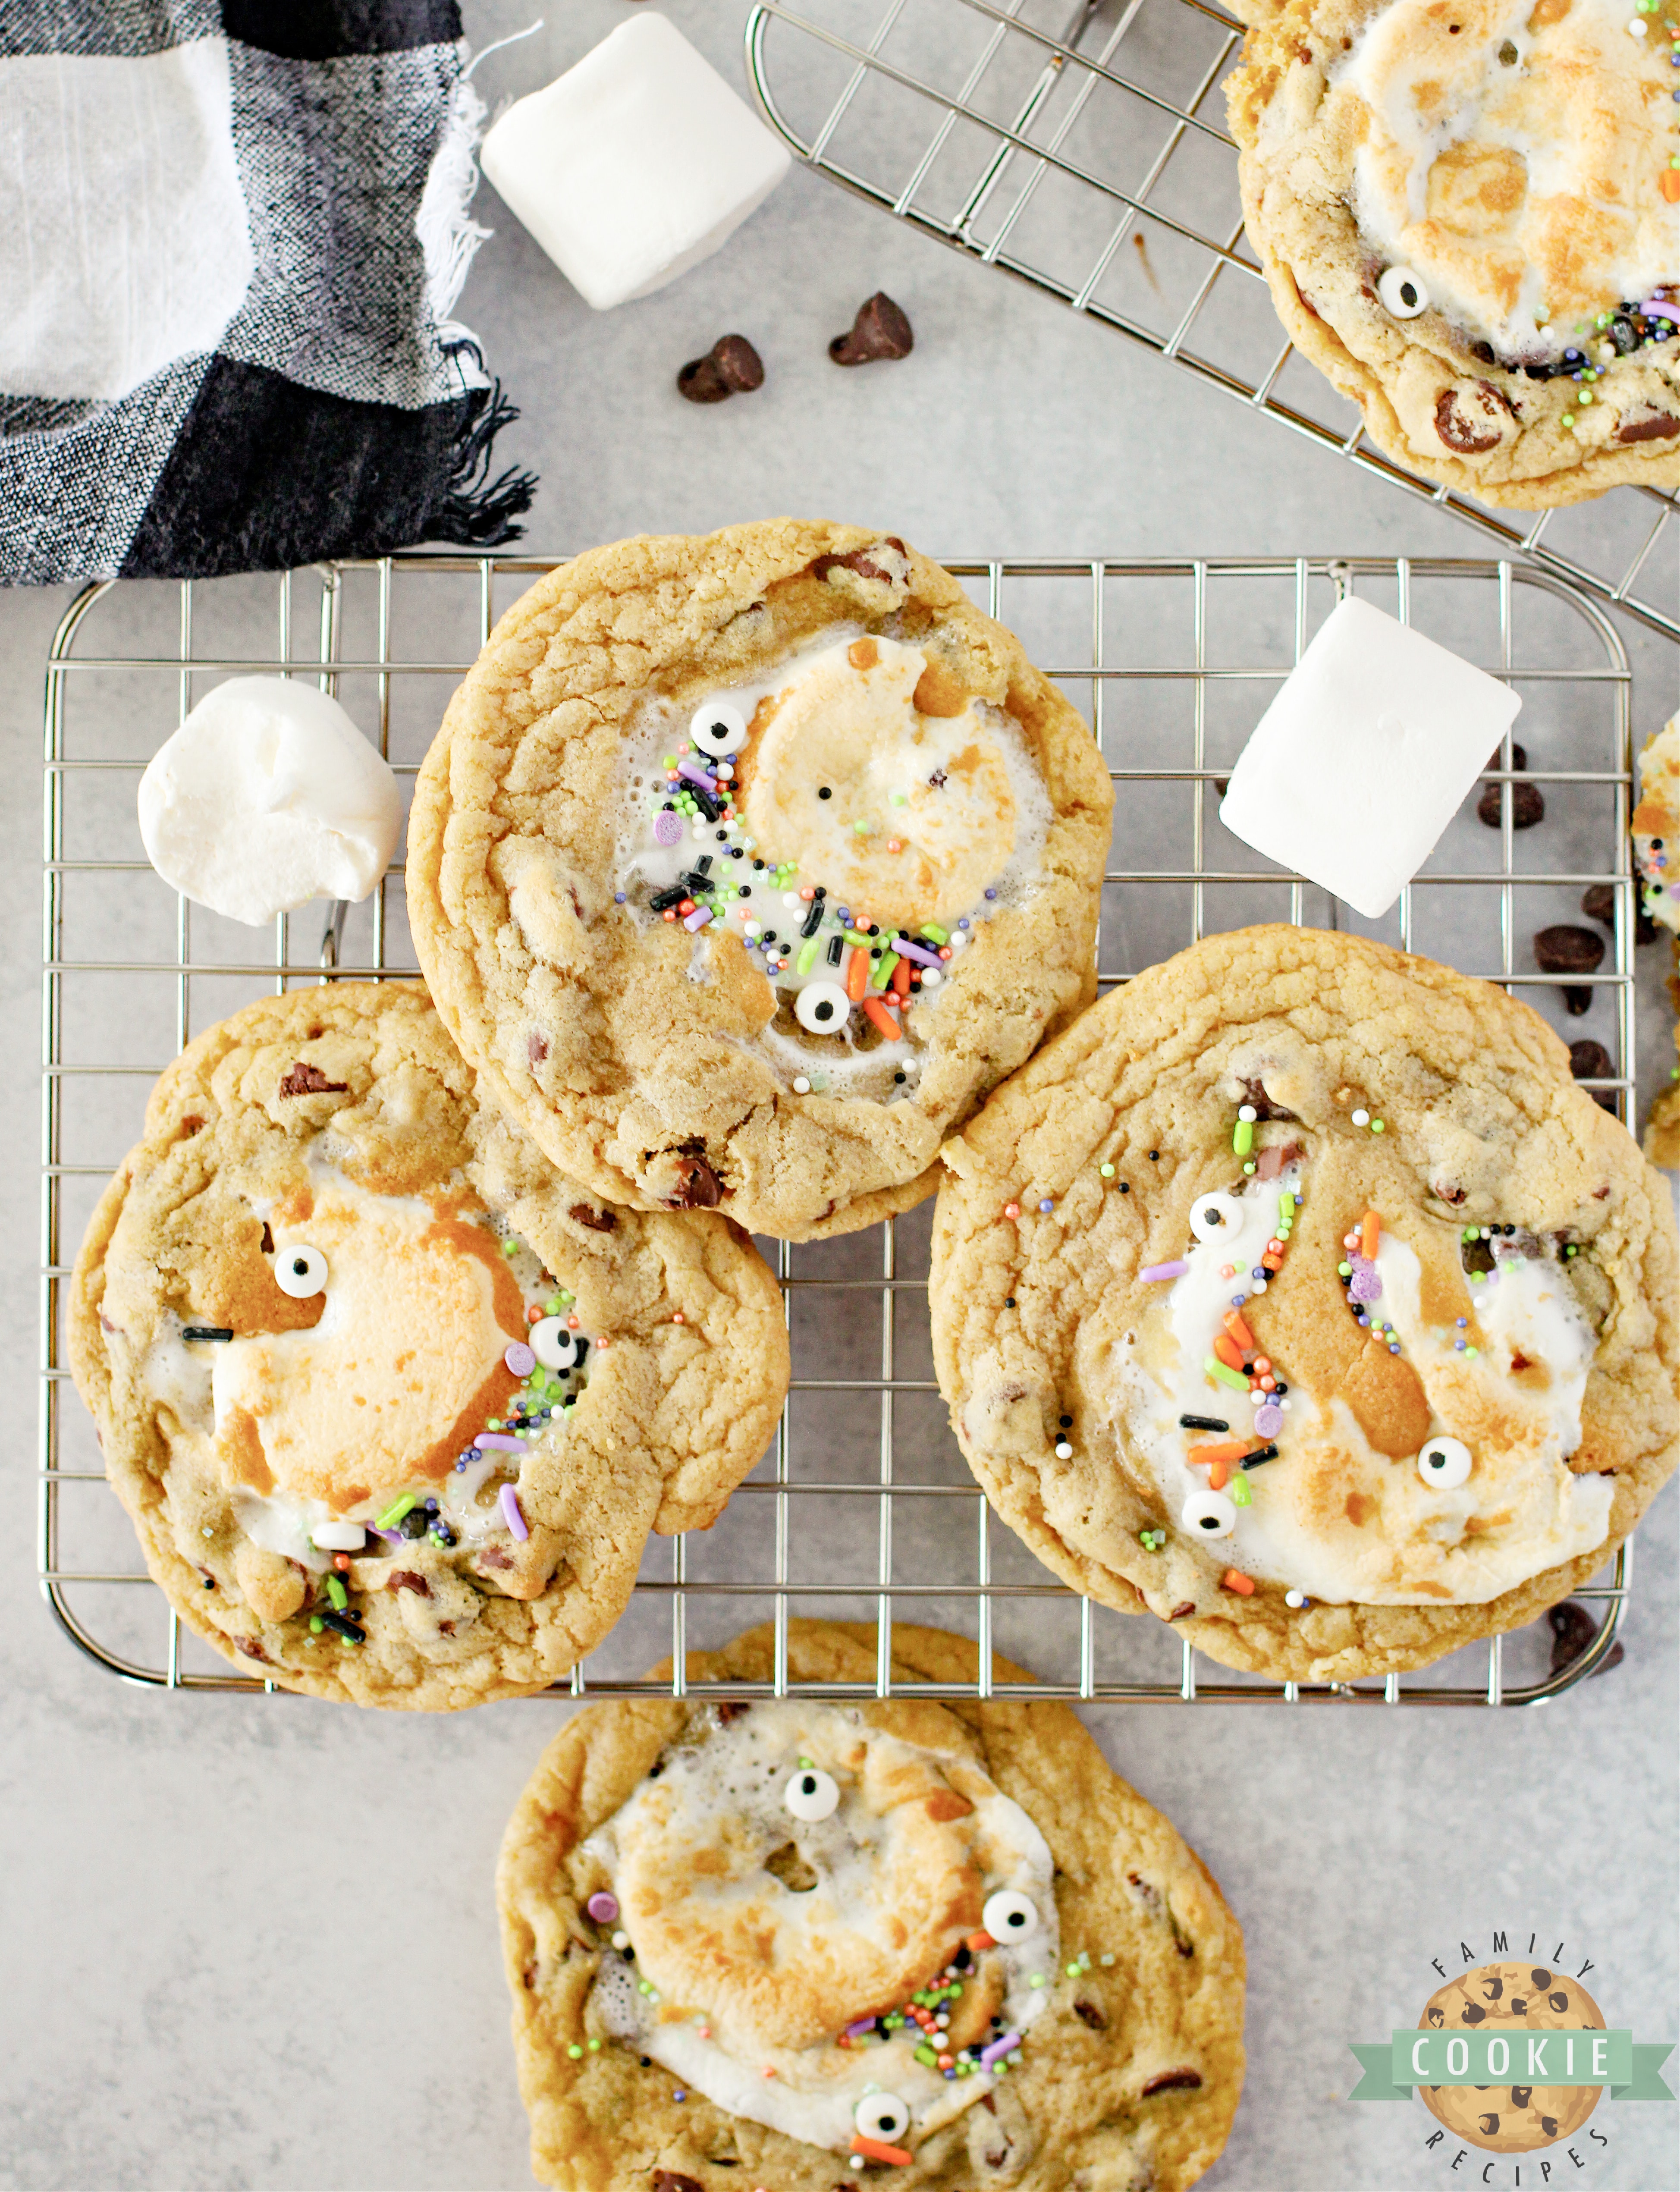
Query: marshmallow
{"points": [[1365, 755], [268, 796], [634, 165]]}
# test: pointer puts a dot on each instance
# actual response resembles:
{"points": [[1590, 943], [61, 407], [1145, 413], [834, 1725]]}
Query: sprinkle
{"points": [[520, 1359], [1204, 1423], [1296, 1598], [1228, 1351], [1012, 1210], [1154, 1271], [512, 1515], [696, 920], [1377, 1126], [1047, 1206], [602, 1906], [876, 2149], [1002, 2045], [802, 1086], [1231, 1450], [882, 1018], [1234, 1379], [336, 1592], [1064, 1451], [1370, 1229], [1240, 1494], [1242, 1138], [394, 1514], [500, 1440], [922, 957], [1234, 1579], [1238, 1329], [1105, 1172]]}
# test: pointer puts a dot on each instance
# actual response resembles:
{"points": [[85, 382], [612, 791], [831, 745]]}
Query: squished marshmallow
{"points": [[1365, 755], [634, 165], [267, 796]]}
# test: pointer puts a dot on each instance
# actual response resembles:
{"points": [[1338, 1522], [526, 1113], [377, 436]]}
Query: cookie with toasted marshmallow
{"points": [[743, 867], [808, 1939], [1298, 1295], [392, 1403]]}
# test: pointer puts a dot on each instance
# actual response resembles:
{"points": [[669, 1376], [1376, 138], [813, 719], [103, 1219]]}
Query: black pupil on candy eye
{"points": [[300, 1267], [1210, 1521], [1015, 1920], [824, 1010], [807, 1785], [1409, 295]]}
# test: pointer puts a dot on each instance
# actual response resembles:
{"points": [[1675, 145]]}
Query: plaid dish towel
{"points": [[231, 239]]}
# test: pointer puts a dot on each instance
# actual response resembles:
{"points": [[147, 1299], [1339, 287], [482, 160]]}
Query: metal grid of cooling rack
{"points": [[1171, 661], [1079, 145]]}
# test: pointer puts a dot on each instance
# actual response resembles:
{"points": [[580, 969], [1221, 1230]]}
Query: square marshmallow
{"points": [[1365, 755], [634, 165]]}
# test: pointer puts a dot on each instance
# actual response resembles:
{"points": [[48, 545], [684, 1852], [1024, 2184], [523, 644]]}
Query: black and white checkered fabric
{"points": [[231, 237]]}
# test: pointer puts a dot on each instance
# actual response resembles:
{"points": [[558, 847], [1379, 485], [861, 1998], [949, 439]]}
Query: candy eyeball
{"points": [[1214, 1216], [1009, 1916], [881, 2115], [1209, 1515], [1403, 293], [718, 729], [823, 1008], [301, 1271], [812, 1794], [554, 1347], [1444, 1462]]}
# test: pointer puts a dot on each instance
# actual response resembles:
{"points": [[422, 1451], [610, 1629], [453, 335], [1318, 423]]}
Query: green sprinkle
{"points": [[1286, 1209], [1572, 1250], [1344, 1270], [898, 798], [671, 761], [883, 970], [1472, 1351], [1378, 1127], [808, 955], [857, 939], [510, 1246], [1249, 1167], [1234, 1379], [1072, 1970], [316, 1625], [1036, 1979], [1240, 1494], [595, 2047], [1106, 1171], [575, 2053], [394, 1513], [926, 2055], [337, 1593], [1243, 1137], [861, 828], [934, 933]]}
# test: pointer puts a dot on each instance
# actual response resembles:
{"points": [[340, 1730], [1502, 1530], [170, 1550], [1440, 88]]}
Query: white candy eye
{"points": [[718, 729], [811, 1794], [553, 1345], [1214, 1216], [1009, 1916], [1403, 293], [1209, 1515], [822, 1007], [301, 1272], [881, 2115], [1444, 1462]]}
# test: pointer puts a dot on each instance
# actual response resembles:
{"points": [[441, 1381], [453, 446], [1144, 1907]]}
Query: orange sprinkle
{"points": [[1234, 1579], [533, 1314], [1012, 1210], [1236, 1325], [875, 2149], [1228, 1351], [1262, 1364], [670, 913], [979, 1941], [677, 1317], [857, 975], [1219, 1474], [1671, 184], [1370, 1229], [946, 2062], [882, 1018], [806, 893], [1228, 1450], [687, 906], [1271, 1263], [901, 978], [893, 845]]}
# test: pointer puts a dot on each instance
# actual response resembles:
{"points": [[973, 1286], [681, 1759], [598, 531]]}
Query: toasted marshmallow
{"points": [[267, 796]]}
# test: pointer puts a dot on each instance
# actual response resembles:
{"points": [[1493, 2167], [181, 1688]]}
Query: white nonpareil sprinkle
{"points": [[801, 1086], [1362, 1118]]}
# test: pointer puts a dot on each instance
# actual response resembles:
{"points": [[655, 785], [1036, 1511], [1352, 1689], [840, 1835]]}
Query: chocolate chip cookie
{"points": [[792, 1943], [1297, 1295], [743, 867], [393, 1404]]}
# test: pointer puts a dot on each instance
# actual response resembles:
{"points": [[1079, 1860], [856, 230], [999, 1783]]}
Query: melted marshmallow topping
{"points": [[1343, 1514], [1509, 154], [763, 1936], [1656, 824]]}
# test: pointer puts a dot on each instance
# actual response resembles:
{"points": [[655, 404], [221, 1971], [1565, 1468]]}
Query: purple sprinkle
{"points": [[510, 1514], [1268, 1420], [999, 2047], [1365, 1285], [1258, 1272], [618, 897], [520, 1359], [990, 893], [1046, 1205], [391, 1537], [601, 1907], [1237, 1300], [501, 1441], [697, 775], [859, 2026], [1152, 1271], [906, 950], [697, 919], [962, 924], [667, 827]]}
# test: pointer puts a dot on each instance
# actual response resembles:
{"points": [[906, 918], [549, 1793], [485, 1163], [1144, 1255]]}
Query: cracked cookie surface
{"points": [[1188, 1393], [654, 1052], [392, 1404], [1129, 2075], [1463, 217]]}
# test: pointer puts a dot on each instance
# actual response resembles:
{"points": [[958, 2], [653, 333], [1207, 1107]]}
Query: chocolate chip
{"points": [[1188, 1606], [1474, 2013], [599, 1221], [1489, 2124], [859, 561], [406, 1579], [250, 1648], [673, 2180], [1598, 903], [307, 1079], [1167, 2081], [730, 367], [1572, 1629], [1527, 806], [1458, 425], [1089, 2013], [1654, 426], [1564, 949], [732, 1709], [1559, 2002], [496, 1559], [536, 1048], [1590, 1061], [698, 1187], [1519, 2094], [880, 330]]}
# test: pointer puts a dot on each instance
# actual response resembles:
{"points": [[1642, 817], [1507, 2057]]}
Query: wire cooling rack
{"points": [[863, 1508], [1080, 146]]}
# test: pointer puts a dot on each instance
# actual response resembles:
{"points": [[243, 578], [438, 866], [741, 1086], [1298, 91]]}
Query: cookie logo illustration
{"points": [[1515, 2118]]}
